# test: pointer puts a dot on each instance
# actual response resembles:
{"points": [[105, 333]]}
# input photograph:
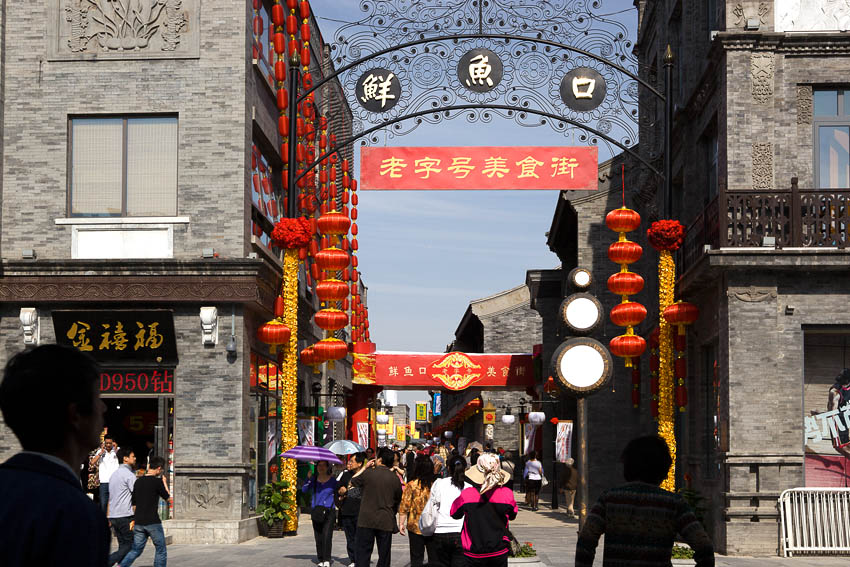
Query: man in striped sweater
{"points": [[639, 519]]}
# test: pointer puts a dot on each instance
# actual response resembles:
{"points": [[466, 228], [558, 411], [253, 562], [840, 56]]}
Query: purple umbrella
{"points": [[310, 453]]}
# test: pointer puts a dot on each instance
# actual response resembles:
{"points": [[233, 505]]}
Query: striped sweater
{"points": [[640, 522]]}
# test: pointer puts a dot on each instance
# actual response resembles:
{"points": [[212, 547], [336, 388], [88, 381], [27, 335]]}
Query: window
{"points": [[265, 196], [832, 138], [123, 167]]}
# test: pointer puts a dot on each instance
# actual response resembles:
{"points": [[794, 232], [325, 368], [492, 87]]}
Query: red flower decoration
{"points": [[292, 233], [666, 235]]}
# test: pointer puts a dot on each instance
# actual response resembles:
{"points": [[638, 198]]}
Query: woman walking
{"points": [[349, 502], [447, 545], [413, 500], [485, 512], [322, 486], [533, 475]]}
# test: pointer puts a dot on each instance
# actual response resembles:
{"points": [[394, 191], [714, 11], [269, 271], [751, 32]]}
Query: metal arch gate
{"points": [[437, 112]]}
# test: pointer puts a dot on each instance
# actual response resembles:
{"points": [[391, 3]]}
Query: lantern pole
{"points": [[582, 460], [668, 133], [292, 140]]}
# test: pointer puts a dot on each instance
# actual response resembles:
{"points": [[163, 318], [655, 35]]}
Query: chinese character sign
{"points": [[564, 441], [479, 168], [155, 381], [421, 411], [453, 371]]}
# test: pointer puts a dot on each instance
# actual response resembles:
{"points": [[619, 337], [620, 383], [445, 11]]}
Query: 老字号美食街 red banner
{"points": [[478, 168]]}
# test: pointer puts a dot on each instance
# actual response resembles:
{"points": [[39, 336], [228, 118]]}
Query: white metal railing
{"points": [[815, 521]]}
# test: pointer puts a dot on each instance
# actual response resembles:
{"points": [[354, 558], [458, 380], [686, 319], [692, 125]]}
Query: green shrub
{"points": [[526, 550], [275, 503], [682, 552]]}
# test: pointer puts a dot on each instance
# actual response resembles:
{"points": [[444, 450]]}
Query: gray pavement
{"points": [[552, 533]]}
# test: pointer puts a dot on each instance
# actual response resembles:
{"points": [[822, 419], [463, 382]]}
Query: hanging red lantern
{"points": [[627, 347], [278, 16], [331, 349], [622, 220], [308, 356], [278, 306], [333, 223], [274, 333], [331, 290], [625, 252], [331, 319], [681, 396], [681, 368], [680, 314], [628, 314], [332, 259], [625, 283]]}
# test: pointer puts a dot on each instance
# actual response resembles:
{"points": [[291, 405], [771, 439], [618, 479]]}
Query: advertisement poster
{"points": [[305, 432], [564, 441], [530, 431], [438, 404], [826, 409], [363, 433]]}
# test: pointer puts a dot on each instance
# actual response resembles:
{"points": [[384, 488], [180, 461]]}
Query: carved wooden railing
{"points": [[794, 217]]}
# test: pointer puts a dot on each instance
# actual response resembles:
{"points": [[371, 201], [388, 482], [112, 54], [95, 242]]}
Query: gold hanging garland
{"points": [[289, 371]]}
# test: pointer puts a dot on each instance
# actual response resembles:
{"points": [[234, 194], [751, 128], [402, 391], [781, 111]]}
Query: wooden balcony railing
{"points": [[794, 217]]}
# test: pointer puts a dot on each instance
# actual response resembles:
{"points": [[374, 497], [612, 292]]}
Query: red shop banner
{"points": [[478, 168], [453, 371]]}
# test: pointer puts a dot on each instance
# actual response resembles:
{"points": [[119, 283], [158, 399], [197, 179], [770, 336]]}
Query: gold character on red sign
{"points": [[393, 167], [461, 167], [427, 166], [564, 166], [495, 166], [77, 335], [529, 166]]}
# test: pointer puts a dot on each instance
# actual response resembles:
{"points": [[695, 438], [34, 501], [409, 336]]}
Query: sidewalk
{"points": [[551, 531]]}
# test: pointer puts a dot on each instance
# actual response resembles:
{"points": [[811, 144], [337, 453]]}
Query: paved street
{"points": [[552, 533]]}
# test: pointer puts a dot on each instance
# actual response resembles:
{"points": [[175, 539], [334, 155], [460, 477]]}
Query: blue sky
{"points": [[425, 255]]}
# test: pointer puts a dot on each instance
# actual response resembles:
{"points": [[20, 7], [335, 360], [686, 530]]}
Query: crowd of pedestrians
{"points": [[455, 509]]}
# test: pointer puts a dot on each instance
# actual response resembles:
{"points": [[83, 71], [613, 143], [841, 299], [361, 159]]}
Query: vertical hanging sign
{"points": [[564, 441]]}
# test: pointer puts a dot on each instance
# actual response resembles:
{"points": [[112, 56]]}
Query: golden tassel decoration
{"points": [[666, 426], [289, 371]]}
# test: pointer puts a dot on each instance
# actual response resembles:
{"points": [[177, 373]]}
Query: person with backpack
{"points": [[446, 542], [413, 499], [486, 508]]}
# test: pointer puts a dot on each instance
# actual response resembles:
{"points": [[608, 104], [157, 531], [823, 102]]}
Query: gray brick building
{"points": [[141, 170]]}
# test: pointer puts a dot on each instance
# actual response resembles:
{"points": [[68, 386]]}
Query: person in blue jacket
{"points": [[322, 486]]}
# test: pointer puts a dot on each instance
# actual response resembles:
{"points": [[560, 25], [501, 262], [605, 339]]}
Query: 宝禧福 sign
{"points": [[120, 338], [479, 168]]}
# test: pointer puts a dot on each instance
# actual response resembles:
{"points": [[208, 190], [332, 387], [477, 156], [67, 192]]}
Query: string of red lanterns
{"points": [[681, 314]]}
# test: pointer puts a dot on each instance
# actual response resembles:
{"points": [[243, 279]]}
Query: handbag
{"points": [[543, 480], [319, 514], [428, 519]]}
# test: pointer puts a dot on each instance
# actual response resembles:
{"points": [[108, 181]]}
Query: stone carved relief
{"points": [[753, 294], [742, 14], [761, 70], [122, 29], [209, 495], [763, 165], [124, 24], [811, 15], [804, 104]]}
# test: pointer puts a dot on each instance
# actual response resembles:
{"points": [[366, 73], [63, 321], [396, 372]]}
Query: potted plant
{"points": [[275, 505], [526, 555]]}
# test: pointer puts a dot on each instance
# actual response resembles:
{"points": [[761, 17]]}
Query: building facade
{"points": [[141, 180]]}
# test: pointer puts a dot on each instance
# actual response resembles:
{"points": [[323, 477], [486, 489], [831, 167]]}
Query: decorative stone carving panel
{"points": [[761, 69], [124, 29], [804, 105], [207, 497], [753, 294], [763, 165], [811, 15], [743, 11]]}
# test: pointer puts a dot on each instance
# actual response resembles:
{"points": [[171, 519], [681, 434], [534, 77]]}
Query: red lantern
{"points": [[331, 290], [333, 223], [278, 307], [680, 314], [331, 319], [625, 252], [331, 349], [308, 356], [628, 314], [680, 367], [625, 283], [332, 259], [622, 220], [274, 333], [681, 397], [628, 347]]}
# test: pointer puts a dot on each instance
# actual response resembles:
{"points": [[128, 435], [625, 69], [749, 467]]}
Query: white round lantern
{"points": [[383, 418], [508, 419], [336, 413], [536, 417], [581, 278], [581, 313], [448, 434], [582, 365]]}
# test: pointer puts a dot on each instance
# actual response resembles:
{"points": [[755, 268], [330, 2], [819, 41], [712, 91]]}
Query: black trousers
{"points": [[349, 526], [448, 550], [498, 561], [324, 533], [366, 539], [124, 535], [418, 545]]}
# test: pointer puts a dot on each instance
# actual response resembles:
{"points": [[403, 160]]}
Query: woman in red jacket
{"points": [[486, 510]]}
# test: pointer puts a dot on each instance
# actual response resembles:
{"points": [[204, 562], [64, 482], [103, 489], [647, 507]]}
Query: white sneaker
{"points": [[351, 565]]}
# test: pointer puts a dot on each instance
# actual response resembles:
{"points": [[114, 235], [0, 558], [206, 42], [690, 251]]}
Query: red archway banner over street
{"points": [[479, 168], [451, 371]]}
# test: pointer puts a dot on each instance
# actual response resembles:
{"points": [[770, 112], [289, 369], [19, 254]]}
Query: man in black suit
{"points": [[50, 399]]}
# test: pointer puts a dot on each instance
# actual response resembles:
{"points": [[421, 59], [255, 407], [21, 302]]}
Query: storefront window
{"points": [[826, 408], [265, 408]]}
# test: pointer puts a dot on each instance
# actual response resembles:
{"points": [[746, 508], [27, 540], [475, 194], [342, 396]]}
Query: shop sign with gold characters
{"points": [[120, 337]]}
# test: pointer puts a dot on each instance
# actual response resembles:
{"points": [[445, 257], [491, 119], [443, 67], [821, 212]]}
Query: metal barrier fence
{"points": [[815, 521]]}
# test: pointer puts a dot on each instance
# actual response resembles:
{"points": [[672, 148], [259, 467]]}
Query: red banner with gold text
{"points": [[478, 168], [451, 371]]}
